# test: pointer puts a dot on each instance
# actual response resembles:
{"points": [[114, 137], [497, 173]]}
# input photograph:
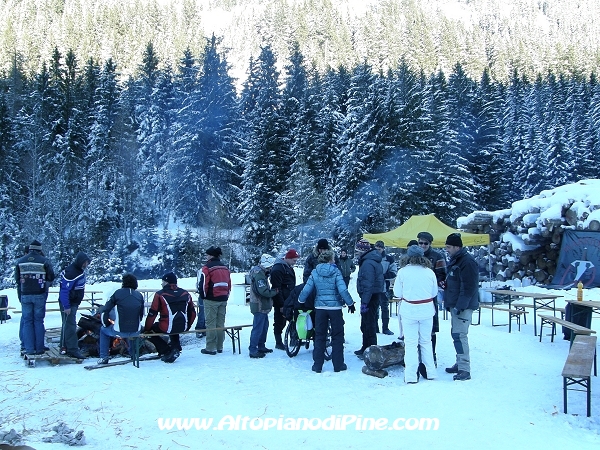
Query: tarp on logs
{"points": [[579, 260], [400, 236]]}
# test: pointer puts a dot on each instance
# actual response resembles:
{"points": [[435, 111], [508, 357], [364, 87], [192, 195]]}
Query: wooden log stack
{"points": [[541, 235]]}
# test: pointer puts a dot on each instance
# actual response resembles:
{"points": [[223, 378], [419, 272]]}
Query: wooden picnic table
{"points": [[540, 301]]}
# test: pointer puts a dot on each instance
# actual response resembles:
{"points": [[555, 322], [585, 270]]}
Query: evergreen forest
{"points": [[145, 172]]}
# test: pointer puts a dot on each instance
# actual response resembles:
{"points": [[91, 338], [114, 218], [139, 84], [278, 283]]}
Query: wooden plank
{"points": [[581, 357], [578, 329], [499, 308]]}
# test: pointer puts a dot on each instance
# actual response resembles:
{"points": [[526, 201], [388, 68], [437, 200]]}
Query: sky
{"points": [[514, 399]]}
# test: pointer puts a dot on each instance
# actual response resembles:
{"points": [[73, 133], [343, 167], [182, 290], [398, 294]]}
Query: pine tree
{"points": [[266, 166]]}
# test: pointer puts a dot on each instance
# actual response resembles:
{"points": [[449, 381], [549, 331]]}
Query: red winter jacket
{"points": [[215, 281]]}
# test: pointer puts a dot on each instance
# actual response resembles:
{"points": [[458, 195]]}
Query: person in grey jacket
{"points": [[370, 285], [331, 295], [461, 299], [261, 303], [346, 266]]}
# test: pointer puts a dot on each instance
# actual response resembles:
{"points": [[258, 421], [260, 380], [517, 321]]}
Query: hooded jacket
{"points": [[370, 280], [331, 292], [72, 283]]}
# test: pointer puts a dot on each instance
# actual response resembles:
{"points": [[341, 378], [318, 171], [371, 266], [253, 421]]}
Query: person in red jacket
{"points": [[214, 288], [175, 310]]}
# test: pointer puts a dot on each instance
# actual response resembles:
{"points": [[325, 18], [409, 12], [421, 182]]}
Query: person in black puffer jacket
{"points": [[121, 316]]}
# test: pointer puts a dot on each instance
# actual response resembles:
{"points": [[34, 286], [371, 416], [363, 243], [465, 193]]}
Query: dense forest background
{"points": [[143, 160]]}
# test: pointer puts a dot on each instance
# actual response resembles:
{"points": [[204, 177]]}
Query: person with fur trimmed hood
{"points": [[261, 303], [313, 259], [416, 285], [331, 295], [370, 285], [121, 316]]}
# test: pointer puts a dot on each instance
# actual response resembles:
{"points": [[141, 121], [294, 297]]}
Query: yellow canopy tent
{"points": [[400, 236]]}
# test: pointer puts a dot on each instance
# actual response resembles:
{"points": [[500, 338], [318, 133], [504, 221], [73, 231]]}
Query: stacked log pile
{"points": [[525, 240]]}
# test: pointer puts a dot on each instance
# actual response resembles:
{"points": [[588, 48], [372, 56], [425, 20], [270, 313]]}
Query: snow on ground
{"points": [[513, 401]]}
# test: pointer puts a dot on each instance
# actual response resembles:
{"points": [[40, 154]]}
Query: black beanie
{"points": [[454, 239], [323, 244], [170, 278]]}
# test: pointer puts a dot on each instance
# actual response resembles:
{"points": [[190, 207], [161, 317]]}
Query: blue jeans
{"points": [[109, 332], [200, 321], [33, 309], [258, 335]]}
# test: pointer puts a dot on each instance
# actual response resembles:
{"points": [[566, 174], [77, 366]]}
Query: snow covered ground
{"points": [[513, 401]]}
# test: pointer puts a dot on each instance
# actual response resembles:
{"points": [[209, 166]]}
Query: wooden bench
{"points": [[232, 331], [551, 320], [578, 368], [522, 306], [512, 314]]}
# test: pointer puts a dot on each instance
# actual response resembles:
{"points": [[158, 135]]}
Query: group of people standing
{"points": [[422, 275]]}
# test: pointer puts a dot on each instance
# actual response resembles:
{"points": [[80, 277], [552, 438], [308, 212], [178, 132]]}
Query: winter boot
{"points": [[279, 343], [462, 375], [453, 369], [385, 329]]}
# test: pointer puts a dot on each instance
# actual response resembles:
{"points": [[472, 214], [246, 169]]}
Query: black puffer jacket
{"points": [[128, 306], [462, 282], [370, 280]]}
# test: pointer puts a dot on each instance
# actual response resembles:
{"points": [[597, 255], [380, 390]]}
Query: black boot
{"points": [[385, 329], [278, 342]]}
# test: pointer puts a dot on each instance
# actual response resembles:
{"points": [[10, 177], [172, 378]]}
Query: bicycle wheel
{"points": [[292, 342]]}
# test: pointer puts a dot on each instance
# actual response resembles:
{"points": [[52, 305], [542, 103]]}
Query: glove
{"points": [[457, 312], [442, 284], [352, 308], [364, 308]]}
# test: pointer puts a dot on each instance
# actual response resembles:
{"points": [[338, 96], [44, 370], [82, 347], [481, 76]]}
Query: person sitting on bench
{"points": [[121, 316], [177, 314]]}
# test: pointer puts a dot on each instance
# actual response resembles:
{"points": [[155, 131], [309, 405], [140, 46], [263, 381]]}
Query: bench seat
{"points": [[578, 368], [551, 320], [512, 314]]}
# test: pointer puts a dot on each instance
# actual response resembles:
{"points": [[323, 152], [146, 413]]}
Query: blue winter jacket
{"points": [[370, 279], [72, 283], [329, 284]]}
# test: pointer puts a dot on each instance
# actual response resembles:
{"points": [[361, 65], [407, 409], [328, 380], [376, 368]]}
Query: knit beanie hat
{"points": [[170, 278], [454, 239], [291, 254], [322, 244], [414, 250], [35, 245], [214, 251], [363, 246], [266, 261]]}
